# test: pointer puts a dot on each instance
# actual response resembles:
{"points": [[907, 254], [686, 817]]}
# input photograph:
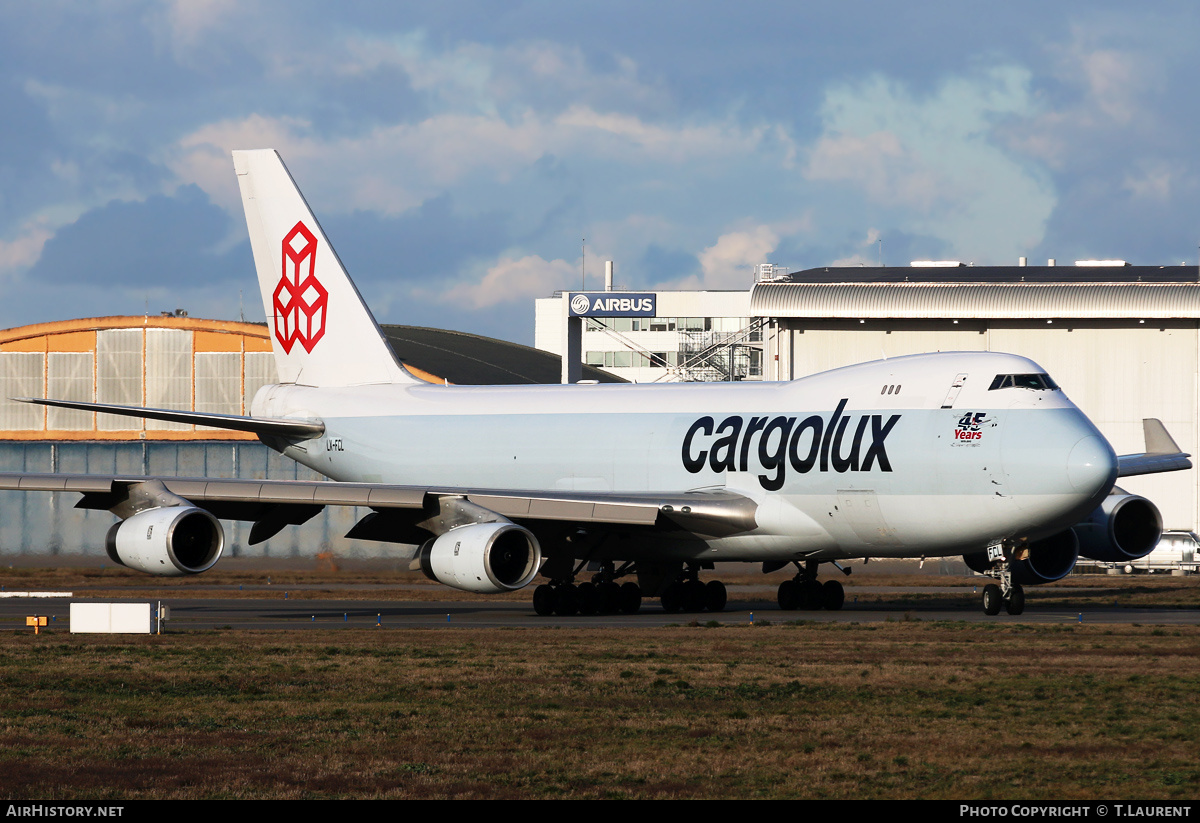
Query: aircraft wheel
{"points": [[694, 596], [992, 599], [835, 595], [1016, 601], [715, 596], [588, 598], [672, 598], [630, 597], [610, 598], [789, 595], [812, 596], [543, 600], [566, 602]]}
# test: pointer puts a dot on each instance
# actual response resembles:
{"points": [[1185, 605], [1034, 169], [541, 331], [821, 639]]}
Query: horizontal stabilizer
{"points": [[1162, 453], [290, 429]]}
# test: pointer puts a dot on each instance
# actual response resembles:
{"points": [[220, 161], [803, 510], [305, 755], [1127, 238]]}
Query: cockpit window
{"points": [[1038, 382]]}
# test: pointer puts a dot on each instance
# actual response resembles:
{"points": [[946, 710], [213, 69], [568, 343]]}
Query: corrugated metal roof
{"points": [[996, 274], [977, 300]]}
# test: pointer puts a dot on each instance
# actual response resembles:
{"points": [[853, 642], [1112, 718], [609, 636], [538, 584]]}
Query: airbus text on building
{"points": [[607, 304]]}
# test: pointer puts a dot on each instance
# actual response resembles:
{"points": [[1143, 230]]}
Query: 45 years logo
{"points": [[970, 427]]}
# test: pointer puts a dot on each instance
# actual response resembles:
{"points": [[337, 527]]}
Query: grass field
{"points": [[904, 709], [786, 708]]}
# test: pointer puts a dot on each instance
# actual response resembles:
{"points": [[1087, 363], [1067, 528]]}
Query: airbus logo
{"points": [[607, 304], [814, 443], [300, 301]]}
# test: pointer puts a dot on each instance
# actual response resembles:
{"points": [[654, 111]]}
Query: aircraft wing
{"points": [[406, 514], [1162, 453], [404, 511]]}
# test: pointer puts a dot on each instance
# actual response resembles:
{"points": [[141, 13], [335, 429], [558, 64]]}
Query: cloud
{"points": [[25, 249], [427, 245], [160, 242], [515, 280], [729, 263], [1153, 181], [889, 173], [870, 254], [935, 161]]}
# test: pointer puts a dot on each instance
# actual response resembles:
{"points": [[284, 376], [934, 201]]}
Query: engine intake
{"points": [[1048, 559], [488, 558], [171, 541], [1124, 527]]}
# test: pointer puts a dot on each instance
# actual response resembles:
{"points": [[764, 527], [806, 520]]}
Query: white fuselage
{"points": [[889, 458]]}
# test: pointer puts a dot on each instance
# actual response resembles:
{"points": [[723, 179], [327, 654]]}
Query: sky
{"points": [[466, 157]]}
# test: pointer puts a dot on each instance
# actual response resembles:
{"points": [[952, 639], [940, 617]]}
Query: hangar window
{"points": [[1038, 382]]}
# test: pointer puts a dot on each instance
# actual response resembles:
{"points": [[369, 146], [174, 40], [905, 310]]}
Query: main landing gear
{"points": [[679, 590], [689, 594], [805, 592], [601, 595]]}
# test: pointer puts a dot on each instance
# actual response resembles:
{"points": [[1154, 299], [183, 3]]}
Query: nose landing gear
{"points": [[1007, 594]]}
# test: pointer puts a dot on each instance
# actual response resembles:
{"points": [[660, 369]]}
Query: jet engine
{"points": [[1124, 527], [172, 541], [1045, 561], [488, 558]]}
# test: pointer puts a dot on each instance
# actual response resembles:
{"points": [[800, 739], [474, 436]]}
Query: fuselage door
{"points": [[955, 388]]}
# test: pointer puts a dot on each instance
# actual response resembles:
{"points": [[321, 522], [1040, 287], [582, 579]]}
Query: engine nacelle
{"points": [[1124, 527], [172, 541], [488, 558], [1048, 559]]}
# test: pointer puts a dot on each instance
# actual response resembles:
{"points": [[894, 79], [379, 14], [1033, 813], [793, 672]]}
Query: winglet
{"points": [[1162, 453], [1158, 440]]}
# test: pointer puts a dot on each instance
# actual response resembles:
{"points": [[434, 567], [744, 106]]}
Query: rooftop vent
{"points": [[935, 264]]}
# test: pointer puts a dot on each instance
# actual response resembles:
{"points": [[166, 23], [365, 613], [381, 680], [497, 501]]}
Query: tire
{"points": [[588, 598], [812, 595], [566, 602], [672, 598], [543, 600], [835, 595], [610, 598], [715, 596], [789, 595], [1016, 601], [695, 597], [992, 599], [630, 598]]}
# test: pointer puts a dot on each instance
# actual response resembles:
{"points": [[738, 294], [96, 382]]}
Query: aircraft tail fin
{"points": [[322, 332]]}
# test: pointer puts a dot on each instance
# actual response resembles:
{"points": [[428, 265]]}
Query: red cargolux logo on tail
{"points": [[300, 299]]}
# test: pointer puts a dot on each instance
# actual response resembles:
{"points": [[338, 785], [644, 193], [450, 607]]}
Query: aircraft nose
{"points": [[1092, 465]]}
